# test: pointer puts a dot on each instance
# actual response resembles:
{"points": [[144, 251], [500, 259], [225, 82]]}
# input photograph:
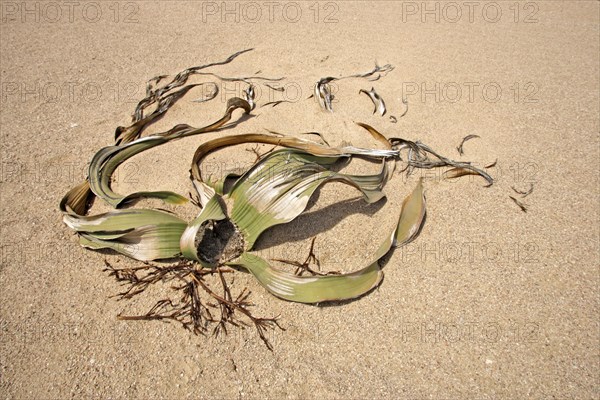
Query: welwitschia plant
{"points": [[237, 209]]}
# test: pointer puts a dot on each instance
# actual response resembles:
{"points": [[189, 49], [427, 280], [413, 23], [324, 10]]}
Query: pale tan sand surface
{"points": [[488, 302]]}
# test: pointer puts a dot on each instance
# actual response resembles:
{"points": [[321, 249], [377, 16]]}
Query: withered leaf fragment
{"points": [[492, 164], [319, 134], [374, 74], [460, 146], [322, 93], [522, 206], [523, 193], [458, 172], [249, 96], [376, 99], [278, 89], [322, 90], [405, 102], [275, 103], [124, 135], [418, 157]]}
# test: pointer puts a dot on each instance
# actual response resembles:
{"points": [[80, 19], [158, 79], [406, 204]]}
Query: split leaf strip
{"points": [[418, 157], [317, 289], [165, 98], [284, 141], [128, 134], [311, 289], [210, 95], [106, 161]]}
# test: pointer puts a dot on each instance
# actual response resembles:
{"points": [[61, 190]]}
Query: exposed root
{"points": [[199, 308], [302, 267], [258, 154]]}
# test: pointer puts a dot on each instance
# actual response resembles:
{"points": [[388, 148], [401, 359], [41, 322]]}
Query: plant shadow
{"points": [[310, 224]]}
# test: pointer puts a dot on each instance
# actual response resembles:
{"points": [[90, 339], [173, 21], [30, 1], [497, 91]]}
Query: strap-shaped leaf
{"points": [[311, 289], [141, 234], [277, 189], [411, 217], [146, 243], [106, 161], [119, 220], [290, 142], [316, 289]]}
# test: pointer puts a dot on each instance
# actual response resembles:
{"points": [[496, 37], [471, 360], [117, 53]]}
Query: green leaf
{"points": [[316, 289], [289, 142], [141, 234], [277, 189], [106, 161], [146, 243], [311, 289], [119, 220], [411, 216]]}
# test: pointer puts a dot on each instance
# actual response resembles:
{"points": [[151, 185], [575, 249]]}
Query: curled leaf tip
{"points": [[412, 216], [460, 146]]}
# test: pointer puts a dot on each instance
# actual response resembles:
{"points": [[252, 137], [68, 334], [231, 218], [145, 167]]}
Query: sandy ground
{"points": [[489, 301]]}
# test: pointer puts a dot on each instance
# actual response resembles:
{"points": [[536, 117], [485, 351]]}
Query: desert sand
{"points": [[488, 302]]}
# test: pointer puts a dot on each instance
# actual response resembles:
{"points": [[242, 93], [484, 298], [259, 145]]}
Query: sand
{"points": [[488, 302]]}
